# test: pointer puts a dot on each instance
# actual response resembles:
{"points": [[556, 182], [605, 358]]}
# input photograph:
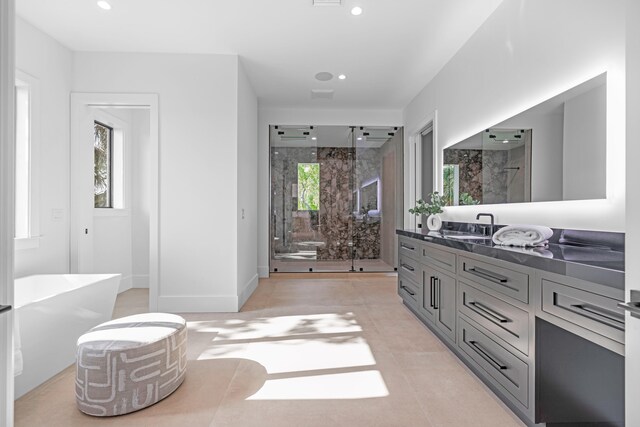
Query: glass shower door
{"points": [[377, 194], [311, 198]]}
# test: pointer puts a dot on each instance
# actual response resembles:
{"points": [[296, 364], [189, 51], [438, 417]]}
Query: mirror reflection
{"points": [[554, 151]]}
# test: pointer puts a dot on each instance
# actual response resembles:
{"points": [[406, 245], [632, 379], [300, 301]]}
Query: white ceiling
{"points": [[388, 53]]}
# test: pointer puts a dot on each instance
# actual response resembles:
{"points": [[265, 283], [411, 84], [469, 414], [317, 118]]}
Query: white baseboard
{"points": [[126, 283], [249, 288], [198, 304], [263, 271], [140, 281]]}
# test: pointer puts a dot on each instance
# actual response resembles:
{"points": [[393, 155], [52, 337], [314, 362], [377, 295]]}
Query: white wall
{"points": [[40, 56], [301, 116], [140, 203], [198, 168], [584, 150], [526, 52], [247, 187]]}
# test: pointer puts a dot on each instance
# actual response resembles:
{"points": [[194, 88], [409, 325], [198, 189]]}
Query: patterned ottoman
{"points": [[130, 363]]}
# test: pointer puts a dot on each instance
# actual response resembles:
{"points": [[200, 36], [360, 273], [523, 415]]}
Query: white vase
{"points": [[434, 222]]}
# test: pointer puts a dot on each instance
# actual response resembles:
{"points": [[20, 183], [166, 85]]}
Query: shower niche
{"points": [[336, 197]]}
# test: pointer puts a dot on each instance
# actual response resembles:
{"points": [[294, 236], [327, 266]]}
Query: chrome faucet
{"points": [[492, 220]]}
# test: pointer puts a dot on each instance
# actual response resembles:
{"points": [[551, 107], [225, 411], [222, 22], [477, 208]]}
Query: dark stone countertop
{"points": [[595, 264]]}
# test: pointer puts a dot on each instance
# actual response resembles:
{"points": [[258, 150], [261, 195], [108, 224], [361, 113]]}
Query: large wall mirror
{"points": [[554, 151]]}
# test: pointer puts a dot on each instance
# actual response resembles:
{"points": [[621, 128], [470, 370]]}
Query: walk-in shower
{"points": [[336, 197]]}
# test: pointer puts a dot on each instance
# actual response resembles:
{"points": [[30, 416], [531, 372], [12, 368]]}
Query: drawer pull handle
{"points": [[404, 245], [601, 315], [408, 267], [486, 356], [483, 311], [496, 278], [407, 290]]}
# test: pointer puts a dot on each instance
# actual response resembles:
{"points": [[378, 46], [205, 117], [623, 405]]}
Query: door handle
{"points": [[431, 291], [633, 306], [4, 308], [436, 297]]}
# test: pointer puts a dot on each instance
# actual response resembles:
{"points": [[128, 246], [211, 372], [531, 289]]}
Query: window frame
{"points": [[120, 163], [32, 240], [111, 134]]}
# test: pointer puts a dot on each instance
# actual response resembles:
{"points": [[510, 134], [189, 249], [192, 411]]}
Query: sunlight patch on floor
{"points": [[350, 385]]}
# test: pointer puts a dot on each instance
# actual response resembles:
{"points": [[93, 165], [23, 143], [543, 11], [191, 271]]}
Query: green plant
{"points": [[466, 199], [424, 208]]}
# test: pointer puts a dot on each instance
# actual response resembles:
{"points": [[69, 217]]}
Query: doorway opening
{"points": [[336, 198], [115, 188]]}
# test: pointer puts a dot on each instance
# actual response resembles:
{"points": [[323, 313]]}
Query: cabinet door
{"points": [[446, 305], [427, 301]]}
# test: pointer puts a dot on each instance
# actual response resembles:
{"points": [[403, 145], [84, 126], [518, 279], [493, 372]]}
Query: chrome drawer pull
{"points": [[486, 356], [411, 248], [488, 311], [600, 315], [488, 275], [408, 267], [408, 290]]}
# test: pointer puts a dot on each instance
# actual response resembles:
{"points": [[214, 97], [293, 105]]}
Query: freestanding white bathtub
{"points": [[52, 312]]}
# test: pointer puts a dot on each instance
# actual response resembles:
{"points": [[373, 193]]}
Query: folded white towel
{"points": [[18, 363], [523, 235]]}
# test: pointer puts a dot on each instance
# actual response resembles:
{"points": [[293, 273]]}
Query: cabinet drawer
{"points": [[409, 248], [442, 259], [503, 280], [591, 311], [409, 291], [501, 365], [503, 319], [409, 268]]}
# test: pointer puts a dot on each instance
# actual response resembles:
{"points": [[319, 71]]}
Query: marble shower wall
{"points": [[334, 224]]}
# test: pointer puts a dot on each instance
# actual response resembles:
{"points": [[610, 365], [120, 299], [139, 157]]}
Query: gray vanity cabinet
{"points": [[488, 310], [440, 298]]}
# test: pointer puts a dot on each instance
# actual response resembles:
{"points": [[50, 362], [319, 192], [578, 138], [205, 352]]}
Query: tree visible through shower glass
{"points": [[102, 165], [308, 186]]}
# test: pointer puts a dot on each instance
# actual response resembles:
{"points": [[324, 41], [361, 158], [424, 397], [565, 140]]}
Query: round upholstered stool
{"points": [[130, 363]]}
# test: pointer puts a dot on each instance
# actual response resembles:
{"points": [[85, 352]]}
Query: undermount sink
{"points": [[461, 235]]}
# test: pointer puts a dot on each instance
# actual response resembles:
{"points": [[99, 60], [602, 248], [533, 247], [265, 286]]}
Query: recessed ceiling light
{"points": [[104, 5], [359, 138], [356, 11], [313, 138], [342, 76]]}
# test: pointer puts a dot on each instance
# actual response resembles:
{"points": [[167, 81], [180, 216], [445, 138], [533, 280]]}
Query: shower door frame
{"points": [[351, 263]]}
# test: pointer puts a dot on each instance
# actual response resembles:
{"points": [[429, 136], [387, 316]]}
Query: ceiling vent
{"points": [[321, 93], [327, 2]]}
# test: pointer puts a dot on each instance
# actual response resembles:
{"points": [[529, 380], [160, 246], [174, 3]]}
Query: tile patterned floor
{"points": [[330, 350]]}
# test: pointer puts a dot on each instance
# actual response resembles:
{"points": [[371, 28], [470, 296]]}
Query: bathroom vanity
{"points": [[540, 327]]}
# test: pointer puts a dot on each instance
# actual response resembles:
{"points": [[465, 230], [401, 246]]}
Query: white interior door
{"points": [[7, 160], [632, 274], [81, 212]]}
